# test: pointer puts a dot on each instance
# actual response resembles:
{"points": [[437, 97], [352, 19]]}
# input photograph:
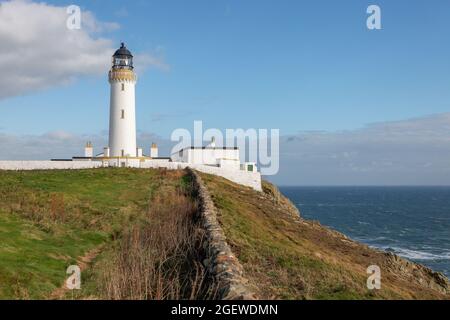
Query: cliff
{"points": [[287, 257]]}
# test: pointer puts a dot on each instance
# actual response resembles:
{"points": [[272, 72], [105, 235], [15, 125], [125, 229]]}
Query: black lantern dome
{"points": [[122, 58]]}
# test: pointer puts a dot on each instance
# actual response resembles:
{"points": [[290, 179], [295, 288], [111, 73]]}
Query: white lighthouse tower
{"points": [[122, 118]]}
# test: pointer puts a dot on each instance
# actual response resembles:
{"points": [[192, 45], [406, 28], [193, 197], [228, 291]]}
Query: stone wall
{"points": [[221, 262]]}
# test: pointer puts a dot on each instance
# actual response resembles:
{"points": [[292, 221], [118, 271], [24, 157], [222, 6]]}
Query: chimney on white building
{"points": [[139, 152], [89, 150], [154, 151], [106, 152]]}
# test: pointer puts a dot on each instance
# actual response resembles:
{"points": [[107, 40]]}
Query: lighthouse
{"points": [[122, 152], [122, 116]]}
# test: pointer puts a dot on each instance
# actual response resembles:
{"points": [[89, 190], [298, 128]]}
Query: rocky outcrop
{"points": [[220, 260], [417, 273], [271, 192]]}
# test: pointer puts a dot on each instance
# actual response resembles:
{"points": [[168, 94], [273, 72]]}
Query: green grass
{"points": [[37, 244], [32, 261]]}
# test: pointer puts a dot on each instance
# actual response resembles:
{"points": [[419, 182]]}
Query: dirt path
{"points": [[83, 262]]}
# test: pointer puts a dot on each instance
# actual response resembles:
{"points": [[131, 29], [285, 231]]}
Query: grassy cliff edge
{"points": [[287, 257]]}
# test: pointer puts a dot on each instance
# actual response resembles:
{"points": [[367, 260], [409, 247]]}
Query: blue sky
{"points": [[294, 65]]}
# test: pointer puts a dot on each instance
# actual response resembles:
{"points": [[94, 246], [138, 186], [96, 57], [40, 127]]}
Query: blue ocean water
{"points": [[413, 222]]}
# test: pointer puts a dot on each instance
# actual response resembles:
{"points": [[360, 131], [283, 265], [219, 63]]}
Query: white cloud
{"points": [[143, 61], [122, 12], [64, 145], [38, 51], [414, 151], [57, 144], [409, 152]]}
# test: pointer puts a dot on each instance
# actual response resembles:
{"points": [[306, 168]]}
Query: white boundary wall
{"points": [[48, 165], [249, 179]]}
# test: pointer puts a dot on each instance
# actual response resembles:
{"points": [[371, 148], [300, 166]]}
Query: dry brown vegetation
{"points": [[161, 257]]}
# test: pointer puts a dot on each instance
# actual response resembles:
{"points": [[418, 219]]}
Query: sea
{"points": [[413, 222]]}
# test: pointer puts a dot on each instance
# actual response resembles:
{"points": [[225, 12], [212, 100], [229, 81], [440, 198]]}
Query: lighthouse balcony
{"points": [[122, 75]]}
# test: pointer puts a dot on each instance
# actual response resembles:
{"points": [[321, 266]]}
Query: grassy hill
{"points": [[50, 220], [135, 235], [285, 257]]}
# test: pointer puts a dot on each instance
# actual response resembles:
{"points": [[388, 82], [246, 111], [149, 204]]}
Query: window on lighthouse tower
{"points": [[122, 114], [122, 58], [123, 86]]}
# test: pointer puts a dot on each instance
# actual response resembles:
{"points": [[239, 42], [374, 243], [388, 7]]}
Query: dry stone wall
{"points": [[221, 261]]}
